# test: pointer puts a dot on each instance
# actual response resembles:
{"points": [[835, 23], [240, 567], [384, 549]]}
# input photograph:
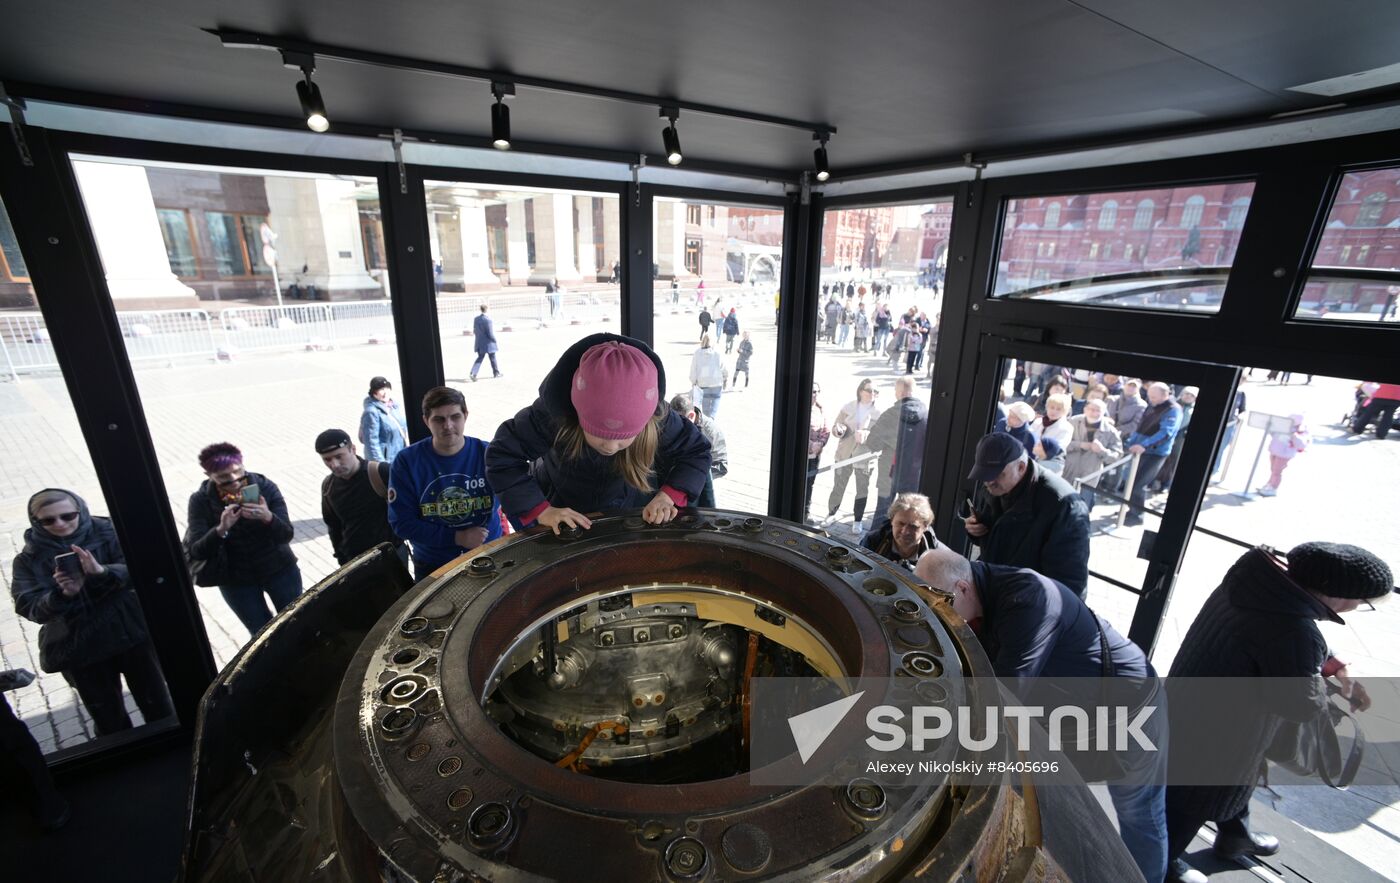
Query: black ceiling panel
{"points": [[902, 81]]}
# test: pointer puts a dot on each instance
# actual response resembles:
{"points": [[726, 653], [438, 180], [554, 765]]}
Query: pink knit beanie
{"points": [[614, 390]]}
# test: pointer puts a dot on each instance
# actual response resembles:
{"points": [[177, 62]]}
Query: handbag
{"points": [[208, 572], [1312, 748]]}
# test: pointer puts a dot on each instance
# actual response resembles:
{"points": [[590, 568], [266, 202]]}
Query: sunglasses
{"points": [[65, 517]]}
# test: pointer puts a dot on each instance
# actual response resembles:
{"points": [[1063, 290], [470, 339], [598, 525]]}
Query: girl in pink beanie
{"points": [[597, 438]]}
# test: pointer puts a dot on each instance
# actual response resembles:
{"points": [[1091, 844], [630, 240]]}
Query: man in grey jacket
{"points": [[719, 451]]}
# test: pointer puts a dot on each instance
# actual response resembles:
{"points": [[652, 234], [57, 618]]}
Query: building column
{"points": [[587, 244], [517, 251], [612, 240], [317, 222], [476, 258], [669, 247], [554, 239], [122, 216]]}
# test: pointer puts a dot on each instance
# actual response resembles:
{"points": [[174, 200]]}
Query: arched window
{"points": [[1191, 214], [1372, 207], [1052, 216], [1108, 214], [1142, 218], [1238, 209]]}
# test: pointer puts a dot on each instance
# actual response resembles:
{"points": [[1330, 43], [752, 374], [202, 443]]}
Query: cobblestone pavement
{"points": [[273, 404]]}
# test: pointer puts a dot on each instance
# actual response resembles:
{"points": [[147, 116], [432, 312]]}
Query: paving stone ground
{"points": [[273, 404]]}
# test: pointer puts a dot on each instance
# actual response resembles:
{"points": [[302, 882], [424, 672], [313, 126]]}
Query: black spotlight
{"points": [[819, 157], [500, 116], [312, 107], [669, 138]]}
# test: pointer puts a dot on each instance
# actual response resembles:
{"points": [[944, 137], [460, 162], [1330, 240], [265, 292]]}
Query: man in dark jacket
{"points": [[1152, 441], [354, 499], [484, 333], [239, 534], [1025, 516], [1260, 623], [1035, 627], [899, 435]]}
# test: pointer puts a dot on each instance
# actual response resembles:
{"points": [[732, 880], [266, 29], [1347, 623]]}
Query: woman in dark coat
{"points": [[93, 631], [1260, 623], [241, 544]]}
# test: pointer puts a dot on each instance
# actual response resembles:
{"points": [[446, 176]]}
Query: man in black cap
{"points": [[1026, 516], [353, 498], [1261, 622]]}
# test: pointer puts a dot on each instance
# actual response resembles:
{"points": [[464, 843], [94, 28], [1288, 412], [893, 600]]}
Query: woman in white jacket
{"points": [[1055, 423], [707, 375]]}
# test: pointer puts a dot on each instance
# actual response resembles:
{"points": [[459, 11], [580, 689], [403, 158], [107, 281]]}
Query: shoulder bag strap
{"points": [[376, 480]]}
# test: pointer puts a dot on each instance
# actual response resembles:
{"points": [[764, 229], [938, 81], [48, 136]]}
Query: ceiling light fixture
{"points": [[819, 156], [669, 138], [500, 115], [303, 55], [313, 109]]}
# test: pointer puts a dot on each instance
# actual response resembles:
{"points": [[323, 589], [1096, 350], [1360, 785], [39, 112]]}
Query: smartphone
{"points": [[965, 511], [251, 494], [69, 564]]}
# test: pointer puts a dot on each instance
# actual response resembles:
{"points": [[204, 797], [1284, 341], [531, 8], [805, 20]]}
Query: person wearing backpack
{"points": [[354, 499]]}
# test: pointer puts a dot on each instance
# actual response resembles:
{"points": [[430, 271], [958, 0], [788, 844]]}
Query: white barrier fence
{"points": [[170, 335]]}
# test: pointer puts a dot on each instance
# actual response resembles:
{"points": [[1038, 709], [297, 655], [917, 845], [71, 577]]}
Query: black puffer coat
{"points": [[1042, 525], [102, 620], [526, 468], [255, 551], [1258, 624]]}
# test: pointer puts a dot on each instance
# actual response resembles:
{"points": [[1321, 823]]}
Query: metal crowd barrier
{"points": [[168, 335], [1132, 477]]}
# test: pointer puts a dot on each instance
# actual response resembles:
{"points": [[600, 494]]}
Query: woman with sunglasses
{"points": [[238, 538], [92, 629]]}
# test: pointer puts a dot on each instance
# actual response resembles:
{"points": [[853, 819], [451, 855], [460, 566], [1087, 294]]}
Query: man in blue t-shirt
{"points": [[438, 496]]}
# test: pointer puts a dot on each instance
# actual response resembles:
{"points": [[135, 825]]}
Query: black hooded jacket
{"points": [[900, 432], [102, 620], [254, 551], [1258, 624], [1042, 525], [526, 468]]}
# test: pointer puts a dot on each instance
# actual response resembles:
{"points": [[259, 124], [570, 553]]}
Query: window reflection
{"points": [[1355, 275], [1173, 252]]}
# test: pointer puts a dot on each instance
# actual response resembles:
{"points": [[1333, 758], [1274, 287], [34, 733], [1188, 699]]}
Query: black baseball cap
{"points": [[994, 451], [332, 439]]}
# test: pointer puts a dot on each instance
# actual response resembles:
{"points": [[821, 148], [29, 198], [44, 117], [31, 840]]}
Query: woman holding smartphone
{"points": [[239, 538], [71, 578]]}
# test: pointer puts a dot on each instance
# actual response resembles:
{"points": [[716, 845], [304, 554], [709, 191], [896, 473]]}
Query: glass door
{"points": [[1134, 436]]}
